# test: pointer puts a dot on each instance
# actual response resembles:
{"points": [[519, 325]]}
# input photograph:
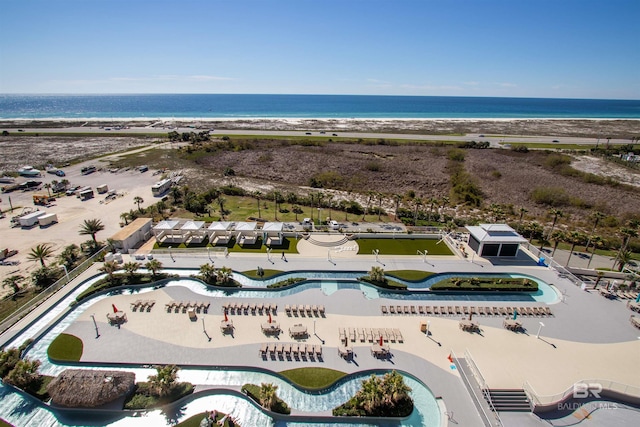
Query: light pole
{"points": [[95, 325], [66, 272], [319, 218], [428, 325], [171, 255], [209, 253], [539, 329]]}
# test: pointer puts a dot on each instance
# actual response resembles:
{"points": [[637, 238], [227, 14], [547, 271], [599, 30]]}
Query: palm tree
{"points": [[376, 274], [13, 282], [397, 198], [208, 273], [370, 195], [597, 216], [417, 202], [296, 210], [370, 395], [258, 196], [131, 267], [109, 267], [48, 187], [557, 237], [575, 238], [24, 374], [164, 380], [394, 387], [556, 213], [153, 266], [40, 253], [623, 258], [224, 275], [69, 255], [138, 201], [597, 242], [125, 217], [627, 233], [221, 202], [522, 212], [268, 394], [599, 276], [432, 203], [380, 198], [176, 194], [276, 199], [91, 227]]}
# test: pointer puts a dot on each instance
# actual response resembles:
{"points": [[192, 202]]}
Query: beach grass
{"points": [[313, 378]]}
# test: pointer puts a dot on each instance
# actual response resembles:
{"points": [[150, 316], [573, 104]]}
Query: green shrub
{"points": [[456, 155], [550, 196]]}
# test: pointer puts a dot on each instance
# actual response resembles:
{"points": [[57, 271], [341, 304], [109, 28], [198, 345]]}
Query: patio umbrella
{"points": [[470, 315], [638, 297], [115, 309], [515, 314], [346, 341], [226, 319], [269, 317], [381, 341]]}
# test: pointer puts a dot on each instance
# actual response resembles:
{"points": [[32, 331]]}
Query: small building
{"points": [[85, 388], [220, 232], [131, 235], [193, 232], [272, 233], [168, 231], [494, 240], [246, 233]]}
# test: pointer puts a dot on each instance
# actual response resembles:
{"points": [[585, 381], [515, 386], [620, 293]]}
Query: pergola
{"points": [[220, 232], [494, 240], [193, 231], [272, 233], [246, 233]]}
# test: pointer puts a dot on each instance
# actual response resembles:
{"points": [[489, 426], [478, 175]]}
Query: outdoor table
{"points": [[117, 317], [270, 327], [467, 325], [512, 324], [297, 330], [226, 324], [378, 349]]}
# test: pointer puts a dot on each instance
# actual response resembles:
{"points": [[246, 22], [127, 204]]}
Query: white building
{"points": [[494, 240]]}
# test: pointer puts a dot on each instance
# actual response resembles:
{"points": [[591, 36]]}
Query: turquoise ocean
{"points": [[307, 106]]}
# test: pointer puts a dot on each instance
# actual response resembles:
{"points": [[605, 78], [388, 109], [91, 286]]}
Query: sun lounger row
{"points": [[184, 306], [142, 305], [627, 294], [370, 335], [291, 350], [246, 308], [635, 321], [304, 310], [457, 310]]}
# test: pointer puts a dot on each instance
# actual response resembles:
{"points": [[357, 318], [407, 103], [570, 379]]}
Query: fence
{"points": [[48, 292], [624, 392], [560, 270]]}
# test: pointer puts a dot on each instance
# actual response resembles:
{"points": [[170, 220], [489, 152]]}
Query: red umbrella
{"points": [[381, 341], [115, 309], [226, 319], [269, 317]]}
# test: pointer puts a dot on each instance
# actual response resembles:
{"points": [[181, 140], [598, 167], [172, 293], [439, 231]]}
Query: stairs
{"points": [[328, 244], [508, 400]]}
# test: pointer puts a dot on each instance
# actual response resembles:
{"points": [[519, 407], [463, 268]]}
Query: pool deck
{"points": [[589, 337]]}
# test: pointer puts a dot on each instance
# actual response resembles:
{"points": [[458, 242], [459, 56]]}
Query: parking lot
{"points": [[71, 212]]}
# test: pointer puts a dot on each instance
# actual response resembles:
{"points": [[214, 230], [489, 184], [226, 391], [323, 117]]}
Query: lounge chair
{"points": [[260, 308], [473, 310], [321, 310], [480, 311], [503, 311], [406, 309], [443, 310], [307, 309], [369, 334], [274, 308], [361, 335], [547, 311], [451, 310], [466, 310], [310, 351], [436, 310], [287, 309], [413, 309], [458, 310], [392, 309], [272, 349], [352, 334], [314, 309], [263, 349], [317, 349], [398, 335], [635, 321], [390, 334], [253, 307], [428, 309], [421, 309], [287, 349], [343, 334], [383, 308], [279, 349], [135, 304]]}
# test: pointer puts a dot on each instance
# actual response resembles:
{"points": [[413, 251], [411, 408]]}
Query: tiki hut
{"points": [[79, 388]]}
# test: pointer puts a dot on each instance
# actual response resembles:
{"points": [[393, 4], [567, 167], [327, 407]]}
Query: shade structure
{"points": [[115, 309]]}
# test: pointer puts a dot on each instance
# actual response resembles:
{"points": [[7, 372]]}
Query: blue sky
{"points": [[514, 48]]}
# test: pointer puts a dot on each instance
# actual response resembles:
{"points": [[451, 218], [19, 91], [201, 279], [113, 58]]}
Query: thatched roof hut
{"points": [[80, 388]]}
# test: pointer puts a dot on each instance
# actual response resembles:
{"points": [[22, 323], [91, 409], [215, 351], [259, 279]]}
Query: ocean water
{"points": [[307, 106]]}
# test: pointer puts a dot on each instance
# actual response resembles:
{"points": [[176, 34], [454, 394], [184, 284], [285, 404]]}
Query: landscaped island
{"points": [[486, 284]]}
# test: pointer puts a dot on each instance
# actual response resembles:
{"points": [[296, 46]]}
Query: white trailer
{"points": [[29, 220], [47, 219], [102, 188]]}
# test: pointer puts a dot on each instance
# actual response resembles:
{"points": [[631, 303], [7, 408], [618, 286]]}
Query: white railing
{"points": [[560, 270], [483, 387], [593, 385]]}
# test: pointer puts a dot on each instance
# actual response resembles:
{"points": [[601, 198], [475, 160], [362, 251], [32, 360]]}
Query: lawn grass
{"points": [[65, 348], [402, 246], [3, 423], [410, 275], [313, 378], [253, 274], [10, 304], [195, 420]]}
